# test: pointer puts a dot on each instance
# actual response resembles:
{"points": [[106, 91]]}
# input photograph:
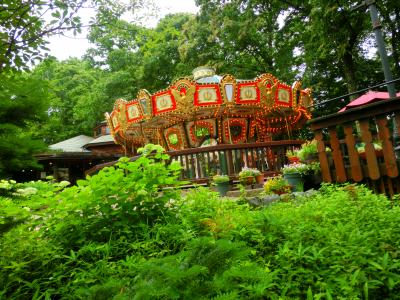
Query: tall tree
{"points": [[244, 37], [137, 57], [323, 42], [25, 25], [390, 13], [78, 101], [23, 103]]}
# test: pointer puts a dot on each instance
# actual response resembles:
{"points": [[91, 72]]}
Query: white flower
{"points": [[64, 183]]}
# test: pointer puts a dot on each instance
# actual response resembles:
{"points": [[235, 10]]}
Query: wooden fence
{"points": [[201, 163], [367, 125]]}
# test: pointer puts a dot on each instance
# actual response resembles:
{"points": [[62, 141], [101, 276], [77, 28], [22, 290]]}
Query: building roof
{"points": [[368, 98], [107, 138], [100, 141], [74, 144]]}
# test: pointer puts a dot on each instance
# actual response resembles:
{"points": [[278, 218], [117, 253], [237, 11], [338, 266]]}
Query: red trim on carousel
{"points": [[283, 103], [242, 124], [247, 101], [161, 111], [178, 134], [205, 86], [132, 120], [116, 128], [202, 124]]}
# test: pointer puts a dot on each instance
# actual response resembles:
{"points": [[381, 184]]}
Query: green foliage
{"points": [[24, 28], [276, 185], [26, 25], [78, 98], [291, 153], [247, 172], [23, 104], [307, 150], [220, 178], [127, 234], [298, 168]]}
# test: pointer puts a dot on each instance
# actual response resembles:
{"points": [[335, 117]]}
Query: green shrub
{"points": [[126, 233]]}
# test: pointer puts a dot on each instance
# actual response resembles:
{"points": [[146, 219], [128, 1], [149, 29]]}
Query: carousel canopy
{"points": [[208, 108]]}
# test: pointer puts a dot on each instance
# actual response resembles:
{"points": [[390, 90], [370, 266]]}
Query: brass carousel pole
{"points": [[229, 129]]}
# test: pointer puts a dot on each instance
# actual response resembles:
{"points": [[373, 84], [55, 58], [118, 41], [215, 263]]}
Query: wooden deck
{"points": [[343, 131], [199, 164]]}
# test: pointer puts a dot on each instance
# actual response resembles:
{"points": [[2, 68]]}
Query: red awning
{"points": [[368, 98]]}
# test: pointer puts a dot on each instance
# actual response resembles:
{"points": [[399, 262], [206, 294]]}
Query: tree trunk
{"points": [[349, 73]]}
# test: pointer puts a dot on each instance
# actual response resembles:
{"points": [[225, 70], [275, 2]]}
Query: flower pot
{"points": [[260, 179], [312, 181], [223, 188], [282, 191], [312, 157], [295, 180], [249, 180], [293, 159]]}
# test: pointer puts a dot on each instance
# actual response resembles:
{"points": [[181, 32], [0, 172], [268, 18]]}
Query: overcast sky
{"points": [[63, 47]]}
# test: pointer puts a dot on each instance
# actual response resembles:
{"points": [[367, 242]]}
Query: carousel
{"points": [[207, 110]]}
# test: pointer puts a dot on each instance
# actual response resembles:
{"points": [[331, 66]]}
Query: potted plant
{"points": [[294, 173], [308, 151], [222, 184], [292, 156], [277, 185], [312, 177], [248, 175]]}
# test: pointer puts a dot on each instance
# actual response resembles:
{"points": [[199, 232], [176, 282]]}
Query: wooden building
{"points": [[69, 159]]}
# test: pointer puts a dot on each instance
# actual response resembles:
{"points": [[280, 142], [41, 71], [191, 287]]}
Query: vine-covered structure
{"points": [[208, 110]]}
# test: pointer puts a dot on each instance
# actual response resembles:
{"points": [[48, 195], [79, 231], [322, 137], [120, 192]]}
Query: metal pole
{"points": [[376, 25]]}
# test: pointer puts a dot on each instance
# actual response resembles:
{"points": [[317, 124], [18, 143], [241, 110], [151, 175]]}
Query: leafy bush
{"points": [[307, 150], [248, 172], [127, 233], [297, 168], [220, 178], [276, 184], [292, 153]]}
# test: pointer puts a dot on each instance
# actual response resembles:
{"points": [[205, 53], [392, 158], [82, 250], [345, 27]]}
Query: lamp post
{"points": [[376, 25]]}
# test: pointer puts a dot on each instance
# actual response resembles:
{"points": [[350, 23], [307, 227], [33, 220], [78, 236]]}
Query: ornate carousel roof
{"points": [[208, 108]]}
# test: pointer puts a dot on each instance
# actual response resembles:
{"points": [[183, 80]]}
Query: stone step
{"points": [[249, 192]]}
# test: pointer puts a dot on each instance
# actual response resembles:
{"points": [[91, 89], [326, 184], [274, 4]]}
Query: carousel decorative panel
{"points": [[174, 138], [207, 95], [305, 100], [283, 95], [144, 100], [114, 120], [248, 93], [133, 113], [200, 130], [163, 102], [235, 130]]}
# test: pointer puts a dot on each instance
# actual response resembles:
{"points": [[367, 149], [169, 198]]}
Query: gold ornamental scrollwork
{"points": [[267, 85], [110, 125], [183, 91], [296, 94], [120, 109]]}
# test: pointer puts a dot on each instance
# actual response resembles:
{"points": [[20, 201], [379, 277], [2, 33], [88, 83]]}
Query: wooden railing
{"points": [[367, 124], [201, 163]]}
